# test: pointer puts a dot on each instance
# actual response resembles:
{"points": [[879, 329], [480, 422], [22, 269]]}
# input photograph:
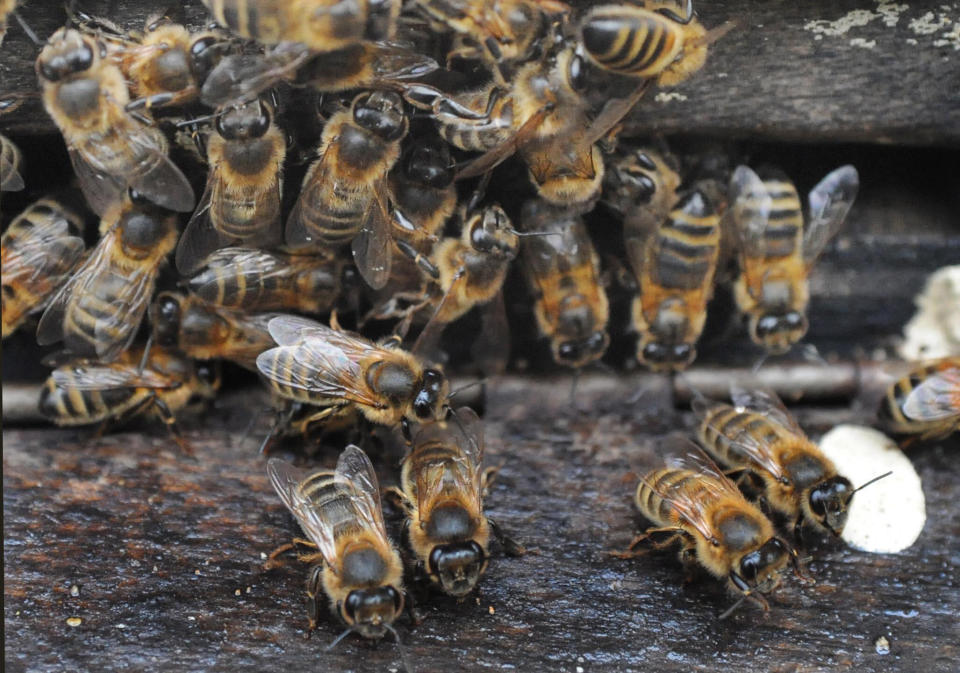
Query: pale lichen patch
{"points": [[860, 42], [929, 23], [666, 97]]}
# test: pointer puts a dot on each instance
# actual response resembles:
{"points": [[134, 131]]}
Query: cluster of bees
{"points": [[399, 132]]}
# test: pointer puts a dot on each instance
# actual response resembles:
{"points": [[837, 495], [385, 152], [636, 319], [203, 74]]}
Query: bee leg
{"points": [[171, 422], [488, 477], [422, 261], [511, 547], [314, 597], [798, 531], [148, 102], [398, 499], [405, 429]]}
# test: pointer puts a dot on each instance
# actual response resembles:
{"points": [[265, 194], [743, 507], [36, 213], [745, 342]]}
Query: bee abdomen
{"points": [[630, 41], [654, 507], [724, 422], [66, 405]]}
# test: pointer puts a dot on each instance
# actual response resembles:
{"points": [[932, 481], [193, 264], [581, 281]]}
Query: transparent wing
{"points": [[157, 178], [750, 206], [99, 189], [396, 62], [242, 77], [355, 471], [88, 375], [371, 247], [48, 247], [200, 238], [288, 330], [496, 155], [464, 430], [936, 398], [766, 402], [297, 231], [231, 266], [829, 203], [131, 293], [614, 111], [286, 480]]}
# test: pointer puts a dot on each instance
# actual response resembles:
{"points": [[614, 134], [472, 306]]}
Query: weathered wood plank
{"points": [[857, 70], [167, 550]]}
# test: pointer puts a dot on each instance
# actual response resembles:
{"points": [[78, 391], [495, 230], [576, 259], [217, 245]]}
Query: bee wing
{"points": [[200, 238], [242, 77], [355, 472], [613, 111], [286, 480], [936, 398], [396, 62], [493, 157], [741, 440], [157, 178], [48, 248], [99, 189], [297, 230], [465, 432], [765, 401], [750, 206], [89, 375], [233, 265], [371, 247], [829, 202], [10, 178]]}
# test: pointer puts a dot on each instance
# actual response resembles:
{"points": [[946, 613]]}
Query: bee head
{"points": [[666, 357], [491, 233], [371, 610], [829, 501], [429, 163], [205, 53], [67, 52], [250, 120], [381, 113], [431, 397], [457, 566], [166, 316], [579, 352], [760, 569], [777, 332]]}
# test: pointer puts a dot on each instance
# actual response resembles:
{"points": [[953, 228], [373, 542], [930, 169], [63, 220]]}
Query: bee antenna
{"points": [[534, 233], [146, 354], [875, 479], [339, 638], [573, 387], [193, 121], [714, 34], [759, 363], [26, 29], [729, 611], [463, 430], [403, 653], [467, 386]]}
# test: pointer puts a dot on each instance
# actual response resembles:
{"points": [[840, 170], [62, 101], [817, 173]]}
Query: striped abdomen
{"points": [[672, 480], [68, 405], [630, 40], [332, 210], [332, 502], [262, 20], [936, 402], [688, 244], [784, 231], [245, 202], [427, 455], [722, 423], [477, 135]]}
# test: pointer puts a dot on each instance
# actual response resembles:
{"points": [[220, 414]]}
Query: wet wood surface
{"points": [[855, 70], [166, 554]]}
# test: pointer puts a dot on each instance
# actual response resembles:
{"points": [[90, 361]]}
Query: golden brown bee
{"points": [[39, 249], [11, 166], [206, 331], [6, 9], [925, 402], [674, 264], [641, 185], [322, 25], [341, 372], [442, 484], [652, 41], [85, 95], [357, 566], [716, 526], [241, 204], [256, 280], [776, 251], [422, 189], [759, 435], [84, 392], [344, 194], [98, 311], [563, 273]]}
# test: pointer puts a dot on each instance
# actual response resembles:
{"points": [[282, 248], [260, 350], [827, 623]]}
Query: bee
{"points": [[206, 331], [442, 484], [85, 391], [925, 402], [715, 525], [341, 372], [422, 189], [563, 273], [39, 249], [343, 198], [357, 566], [652, 41], [759, 436], [641, 185], [321, 25], [777, 252], [241, 203], [256, 280], [85, 94], [674, 264], [11, 166], [98, 311], [7, 8]]}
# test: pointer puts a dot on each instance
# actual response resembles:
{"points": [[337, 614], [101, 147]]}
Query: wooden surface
{"points": [[861, 70], [167, 552]]}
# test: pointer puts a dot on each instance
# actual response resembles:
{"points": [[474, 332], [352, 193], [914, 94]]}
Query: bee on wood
{"points": [[344, 194], [926, 401], [321, 25], [652, 41], [341, 372], [715, 525], [442, 485], [83, 392], [357, 566], [777, 252], [11, 166], [206, 331], [241, 203], [98, 311], [563, 273], [39, 249], [85, 94], [256, 280], [674, 264], [759, 436]]}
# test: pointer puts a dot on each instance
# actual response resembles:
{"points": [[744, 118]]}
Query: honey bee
{"points": [[98, 311], [675, 264], [422, 189], [641, 185], [206, 331], [758, 435], [344, 194], [340, 372], [84, 391], [39, 249], [357, 566], [925, 402], [777, 252], [256, 280], [85, 94], [652, 41], [563, 272], [715, 526], [442, 484], [11, 166], [322, 25], [241, 203]]}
